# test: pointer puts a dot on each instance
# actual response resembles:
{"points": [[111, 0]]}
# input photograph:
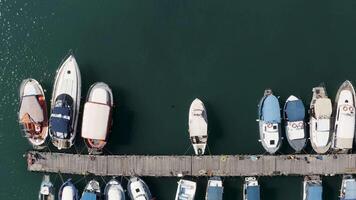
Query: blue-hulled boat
{"points": [[214, 189], [348, 188], [294, 115], [251, 189], [91, 191], [68, 191], [312, 188], [270, 122]]}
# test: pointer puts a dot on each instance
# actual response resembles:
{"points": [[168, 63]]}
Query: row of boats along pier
{"points": [[331, 129]]}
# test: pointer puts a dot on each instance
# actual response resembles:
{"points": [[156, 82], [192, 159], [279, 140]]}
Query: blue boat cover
{"points": [[215, 193], [253, 193], [314, 192], [295, 110], [60, 119], [270, 110], [350, 192], [88, 196]]}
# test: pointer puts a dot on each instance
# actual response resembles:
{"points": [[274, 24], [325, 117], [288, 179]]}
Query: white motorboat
{"points": [[186, 190], [47, 189], [97, 117], [344, 126], [251, 189], [138, 189], [32, 113], [320, 115], [114, 191], [198, 126], [68, 191], [65, 104]]}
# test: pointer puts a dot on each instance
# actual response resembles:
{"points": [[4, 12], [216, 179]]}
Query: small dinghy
{"points": [[344, 127], [214, 189], [47, 189], [65, 104], [68, 191], [97, 117], [33, 113], [270, 122], [186, 190], [138, 190], [294, 115], [91, 191], [251, 189], [114, 191], [320, 114], [348, 188], [198, 126], [312, 188]]}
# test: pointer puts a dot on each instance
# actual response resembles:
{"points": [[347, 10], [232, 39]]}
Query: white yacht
{"points": [[312, 188], [215, 189], [32, 113], [320, 115], [97, 121], [68, 191], [251, 190], [47, 189], [186, 190], [198, 126], [65, 104], [344, 127], [348, 188], [138, 189], [114, 191]]}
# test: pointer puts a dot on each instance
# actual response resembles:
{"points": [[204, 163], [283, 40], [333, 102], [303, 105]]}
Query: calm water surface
{"points": [[158, 56]]}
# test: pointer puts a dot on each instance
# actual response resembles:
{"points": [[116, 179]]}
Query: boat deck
{"points": [[217, 165]]}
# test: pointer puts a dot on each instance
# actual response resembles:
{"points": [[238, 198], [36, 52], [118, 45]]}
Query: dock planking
{"points": [[177, 165]]}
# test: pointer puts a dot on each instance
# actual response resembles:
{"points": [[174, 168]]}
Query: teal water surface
{"points": [[158, 56]]}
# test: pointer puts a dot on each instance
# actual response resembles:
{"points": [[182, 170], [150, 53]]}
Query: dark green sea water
{"points": [[158, 55]]}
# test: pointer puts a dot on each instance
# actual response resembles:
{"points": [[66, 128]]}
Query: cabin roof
{"points": [[350, 190], [270, 110], [95, 121], [323, 108], [314, 192]]}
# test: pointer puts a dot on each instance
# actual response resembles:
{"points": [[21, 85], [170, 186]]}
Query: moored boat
{"points": [[344, 126], [138, 189], [97, 117], [68, 191], [114, 191], [270, 122], [91, 191], [186, 190], [32, 113], [319, 124], [294, 115], [198, 126], [348, 188], [215, 189], [65, 104], [47, 189], [312, 188], [251, 189]]}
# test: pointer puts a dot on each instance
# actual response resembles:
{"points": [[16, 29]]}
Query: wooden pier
{"points": [[218, 165]]}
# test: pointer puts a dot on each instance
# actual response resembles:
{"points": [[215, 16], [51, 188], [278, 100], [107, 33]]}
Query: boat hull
{"points": [[198, 126], [143, 190], [114, 190]]}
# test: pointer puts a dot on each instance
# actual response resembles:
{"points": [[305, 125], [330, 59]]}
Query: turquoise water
{"points": [[158, 56]]}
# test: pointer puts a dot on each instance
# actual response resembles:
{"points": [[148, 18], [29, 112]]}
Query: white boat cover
{"points": [[95, 121], [323, 125], [31, 106], [198, 125], [323, 108]]}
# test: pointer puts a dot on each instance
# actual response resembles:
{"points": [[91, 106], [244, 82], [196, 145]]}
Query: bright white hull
{"points": [[198, 126]]}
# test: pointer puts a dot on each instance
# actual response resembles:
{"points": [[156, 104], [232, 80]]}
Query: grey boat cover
{"points": [[253, 193], [30, 105], [88, 196], [314, 192], [295, 110], [270, 110], [215, 193], [350, 191]]}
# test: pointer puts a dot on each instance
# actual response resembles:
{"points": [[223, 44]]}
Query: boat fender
{"points": [[300, 124], [345, 108], [351, 109], [269, 125], [294, 125]]}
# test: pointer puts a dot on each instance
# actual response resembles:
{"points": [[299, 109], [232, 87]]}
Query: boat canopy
{"points": [[253, 193], [215, 193], [314, 192], [60, 119], [295, 110], [30, 106], [95, 121], [323, 108], [88, 196], [270, 110], [350, 190]]}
